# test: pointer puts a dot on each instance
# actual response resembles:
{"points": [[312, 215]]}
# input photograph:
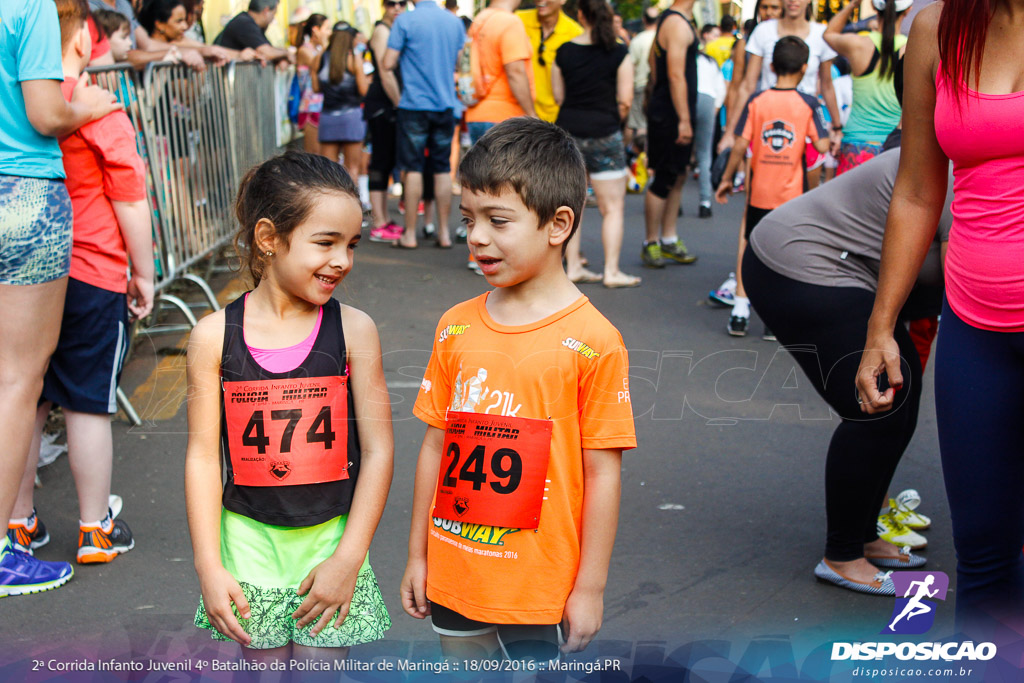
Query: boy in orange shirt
{"points": [[526, 398], [776, 125], [107, 184]]}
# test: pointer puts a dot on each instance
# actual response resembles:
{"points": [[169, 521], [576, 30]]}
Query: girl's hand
{"points": [[220, 590], [881, 354], [723, 191], [328, 588], [414, 589]]}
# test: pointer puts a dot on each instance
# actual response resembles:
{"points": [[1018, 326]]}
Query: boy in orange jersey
{"points": [[526, 398], [777, 124]]}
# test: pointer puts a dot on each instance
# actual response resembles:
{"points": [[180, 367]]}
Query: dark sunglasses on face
{"points": [[392, 3]]}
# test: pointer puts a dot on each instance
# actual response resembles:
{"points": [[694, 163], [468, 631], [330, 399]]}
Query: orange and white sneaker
{"points": [[29, 536], [104, 541]]}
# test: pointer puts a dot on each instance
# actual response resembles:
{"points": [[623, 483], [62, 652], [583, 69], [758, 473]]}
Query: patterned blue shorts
{"points": [[35, 230]]}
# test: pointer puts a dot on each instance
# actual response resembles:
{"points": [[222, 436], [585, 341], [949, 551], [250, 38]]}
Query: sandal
{"points": [[882, 585]]}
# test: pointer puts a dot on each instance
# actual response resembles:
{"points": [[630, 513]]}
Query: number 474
{"points": [[319, 431]]}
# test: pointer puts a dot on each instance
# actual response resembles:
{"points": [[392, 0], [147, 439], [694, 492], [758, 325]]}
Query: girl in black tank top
{"points": [[287, 397]]}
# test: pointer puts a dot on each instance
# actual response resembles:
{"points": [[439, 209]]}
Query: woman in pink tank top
{"points": [[964, 102]]}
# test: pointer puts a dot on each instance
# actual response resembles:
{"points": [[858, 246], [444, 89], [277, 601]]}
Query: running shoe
{"points": [[28, 537], [104, 542], [429, 230], [21, 574], [738, 325], [473, 265], [677, 252], [461, 233], [651, 256], [882, 585], [389, 232], [906, 560], [768, 335], [904, 508], [725, 295], [704, 211], [892, 530]]}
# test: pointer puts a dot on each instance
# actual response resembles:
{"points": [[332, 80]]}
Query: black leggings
{"points": [[383, 158], [824, 328]]}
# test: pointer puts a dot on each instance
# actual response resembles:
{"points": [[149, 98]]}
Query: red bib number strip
{"points": [[493, 470], [287, 432]]}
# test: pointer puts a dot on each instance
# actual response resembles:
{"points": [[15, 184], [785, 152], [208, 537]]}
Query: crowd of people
{"points": [[848, 245]]}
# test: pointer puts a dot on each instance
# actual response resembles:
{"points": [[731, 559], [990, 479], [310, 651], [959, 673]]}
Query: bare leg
{"points": [[654, 214], [379, 207], [443, 197], [740, 250], [310, 140], [670, 217], [91, 454], [353, 155], [813, 178], [611, 202], [471, 647], [23, 505], [413, 190], [331, 150], [31, 317]]}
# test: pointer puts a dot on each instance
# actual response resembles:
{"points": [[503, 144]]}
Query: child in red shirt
{"points": [[106, 181]]}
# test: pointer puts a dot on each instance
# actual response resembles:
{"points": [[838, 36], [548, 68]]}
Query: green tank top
{"points": [[875, 111]]}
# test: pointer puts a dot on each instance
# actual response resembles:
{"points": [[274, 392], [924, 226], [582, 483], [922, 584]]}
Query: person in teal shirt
{"points": [[35, 245]]}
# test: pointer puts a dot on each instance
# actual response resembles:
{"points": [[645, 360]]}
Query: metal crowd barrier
{"points": [[199, 133]]}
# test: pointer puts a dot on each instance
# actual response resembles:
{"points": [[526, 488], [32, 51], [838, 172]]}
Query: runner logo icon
{"points": [[914, 612], [778, 135]]}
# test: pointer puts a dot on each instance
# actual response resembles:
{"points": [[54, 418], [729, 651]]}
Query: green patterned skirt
{"points": [[269, 562]]}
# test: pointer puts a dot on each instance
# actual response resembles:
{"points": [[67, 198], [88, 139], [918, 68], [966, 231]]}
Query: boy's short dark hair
{"points": [[110, 22], [71, 14], [728, 23], [789, 55], [537, 160]]}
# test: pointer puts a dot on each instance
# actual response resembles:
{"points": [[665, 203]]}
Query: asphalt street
{"points": [[722, 516]]}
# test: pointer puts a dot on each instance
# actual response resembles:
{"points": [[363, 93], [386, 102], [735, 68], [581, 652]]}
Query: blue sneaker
{"points": [[21, 574]]}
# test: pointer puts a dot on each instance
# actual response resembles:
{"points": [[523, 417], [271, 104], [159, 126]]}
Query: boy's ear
{"points": [[266, 238], [83, 42], [560, 226], [803, 69]]}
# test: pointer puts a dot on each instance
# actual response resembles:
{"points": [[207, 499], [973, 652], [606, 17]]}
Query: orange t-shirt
{"points": [[570, 368], [500, 38], [779, 124]]}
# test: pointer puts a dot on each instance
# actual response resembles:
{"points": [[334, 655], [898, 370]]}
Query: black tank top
{"points": [[377, 101], [303, 504], [661, 110]]}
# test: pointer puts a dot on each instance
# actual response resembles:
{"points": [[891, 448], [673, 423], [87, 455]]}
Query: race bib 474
{"points": [[286, 432]]}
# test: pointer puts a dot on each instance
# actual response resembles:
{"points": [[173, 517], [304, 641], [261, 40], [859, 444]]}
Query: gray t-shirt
{"points": [[832, 236]]}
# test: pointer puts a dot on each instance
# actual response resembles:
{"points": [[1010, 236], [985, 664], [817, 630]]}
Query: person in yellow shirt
{"points": [[548, 28], [720, 49]]}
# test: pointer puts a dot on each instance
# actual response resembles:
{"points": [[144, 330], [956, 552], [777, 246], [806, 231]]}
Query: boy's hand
{"points": [[94, 99], [328, 589], [581, 619], [723, 191], [836, 139], [414, 589], [220, 590], [140, 296]]}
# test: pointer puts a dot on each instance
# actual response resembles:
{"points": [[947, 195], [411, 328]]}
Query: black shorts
{"points": [[754, 216], [86, 367], [517, 641], [663, 154], [421, 132]]}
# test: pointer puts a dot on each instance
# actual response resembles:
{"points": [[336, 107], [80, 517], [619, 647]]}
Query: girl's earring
{"points": [[270, 253]]}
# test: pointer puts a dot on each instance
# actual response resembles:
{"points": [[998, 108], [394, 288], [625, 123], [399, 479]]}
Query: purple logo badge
{"points": [[914, 612]]}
